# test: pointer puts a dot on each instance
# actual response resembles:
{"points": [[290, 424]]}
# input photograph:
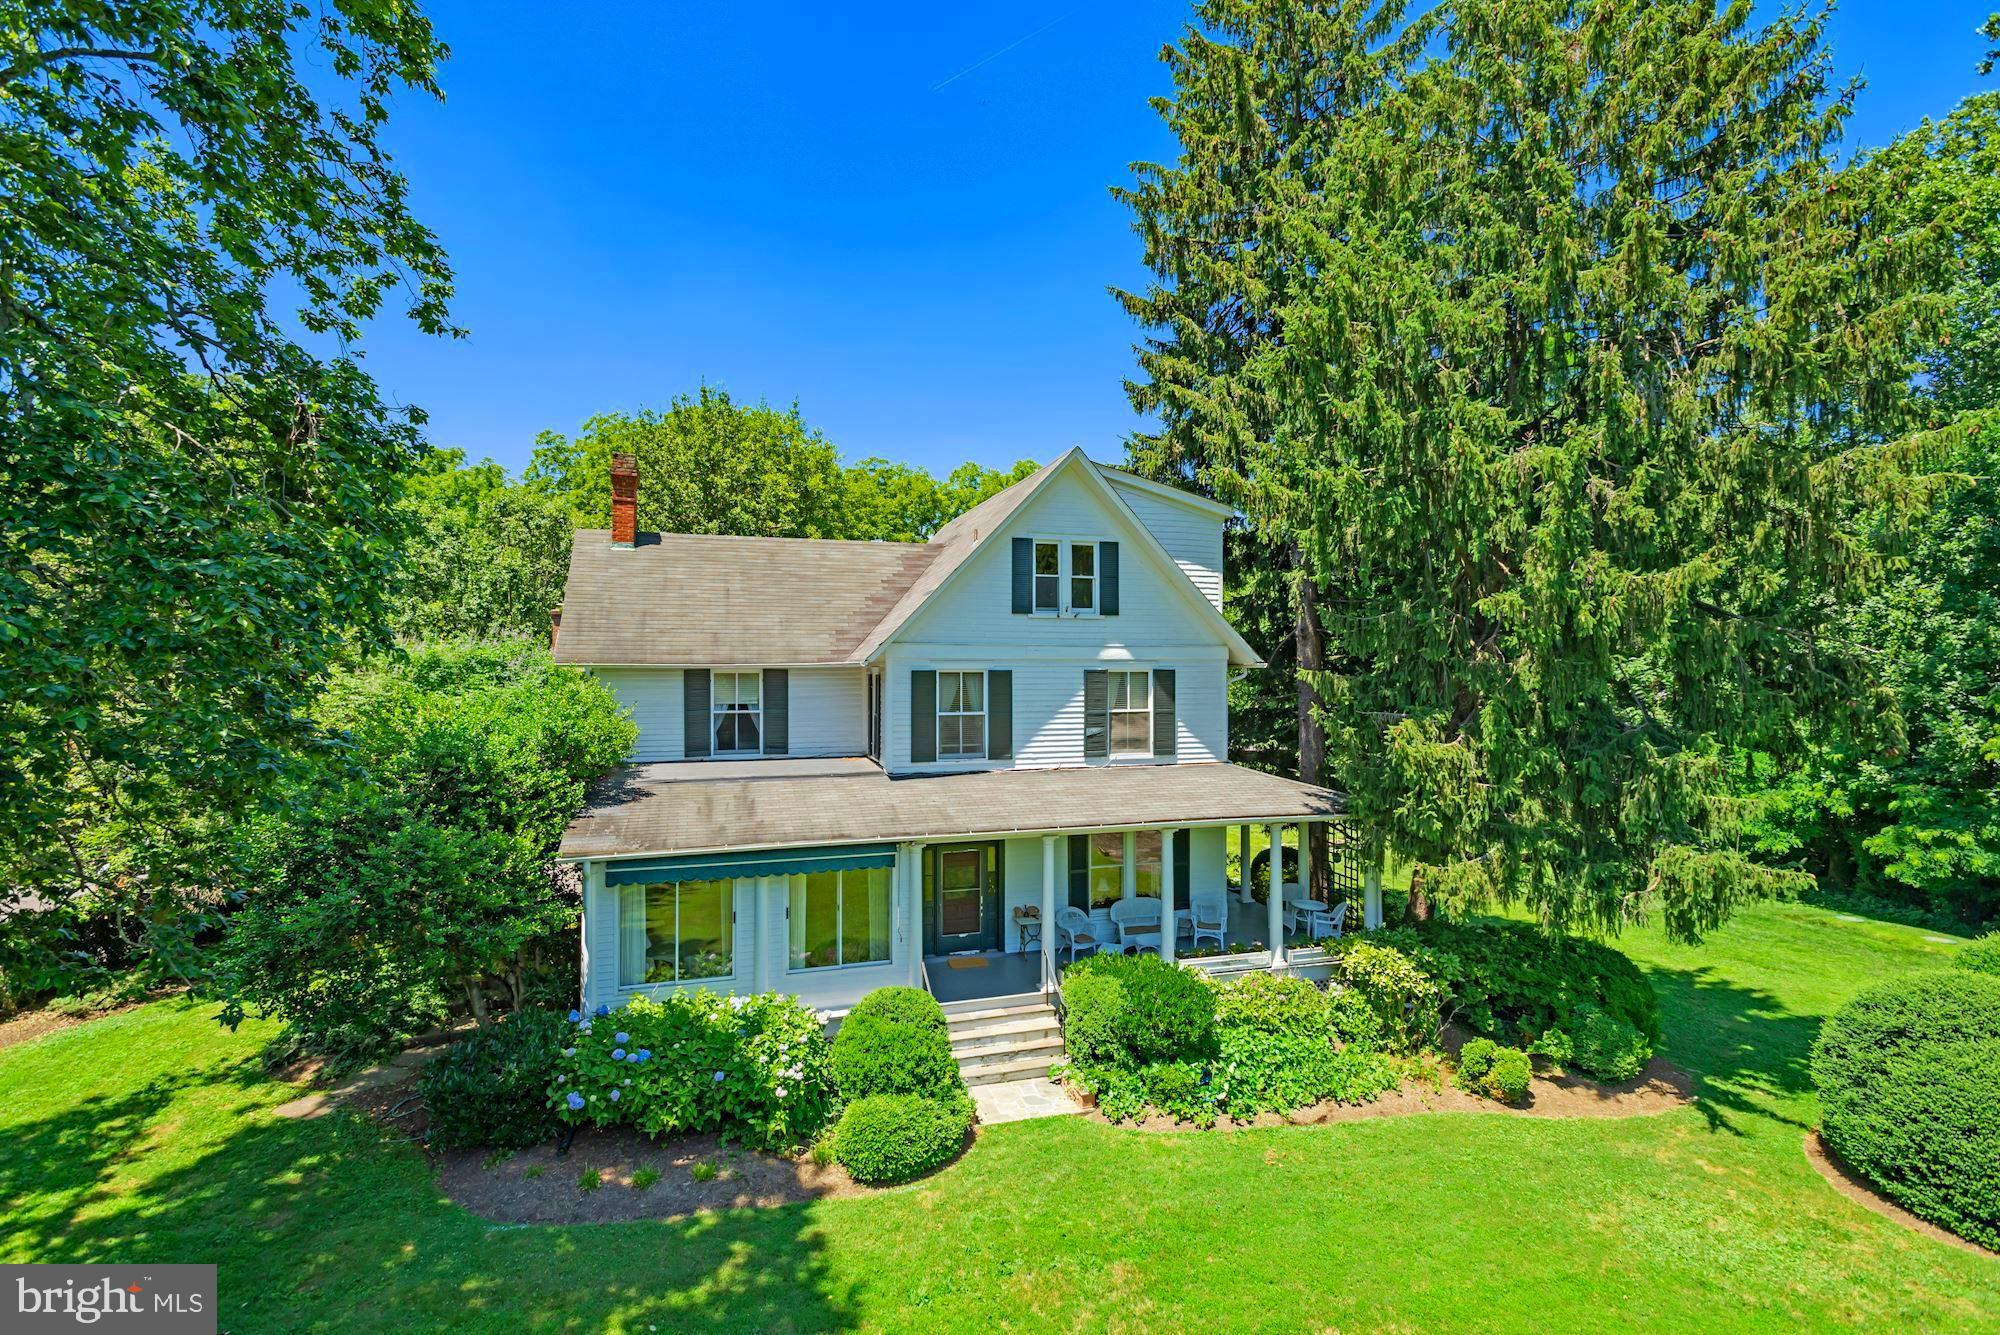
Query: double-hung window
{"points": [[1065, 575], [840, 917], [1131, 705], [738, 710], [961, 715]]}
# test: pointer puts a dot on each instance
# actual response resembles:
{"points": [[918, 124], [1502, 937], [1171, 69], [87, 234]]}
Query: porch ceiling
{"points": [[695, 806]]}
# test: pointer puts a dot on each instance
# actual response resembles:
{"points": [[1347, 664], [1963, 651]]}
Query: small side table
{"points": [[1027, 931]]}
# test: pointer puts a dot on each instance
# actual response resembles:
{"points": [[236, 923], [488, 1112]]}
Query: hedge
{"points": [[492, 1087], [1134, 1010], [1982, 956], [1908, 1075]]}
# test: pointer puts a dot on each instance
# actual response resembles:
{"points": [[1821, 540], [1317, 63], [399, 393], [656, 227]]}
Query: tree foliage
{"points": [[412, 881], [197, 509], [1556, 339], [1920, 822], [489, 554]]}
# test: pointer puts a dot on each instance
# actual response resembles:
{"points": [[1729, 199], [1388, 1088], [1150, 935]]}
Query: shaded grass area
{"points": [[148, 1136]]}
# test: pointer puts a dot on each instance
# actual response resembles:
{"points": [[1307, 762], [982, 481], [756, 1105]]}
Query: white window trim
{"points": [[1111, 714], [1064, 574], [665, 985], [717, 711], [840, 929], [983, 714]]}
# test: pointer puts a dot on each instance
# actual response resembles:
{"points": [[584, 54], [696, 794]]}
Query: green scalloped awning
{"points": [[723, 866]]}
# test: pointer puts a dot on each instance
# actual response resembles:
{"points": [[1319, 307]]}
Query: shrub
{"points": [[1259, 1071], [1352, 1021], [1513, 980], [492, 1087], [1155, 1012], [1982, 956], [887, 1138], [754, 1068], [1908, 1075], [1486, 1068], [1398, 980], [1606, 1046], [895, 1041]]}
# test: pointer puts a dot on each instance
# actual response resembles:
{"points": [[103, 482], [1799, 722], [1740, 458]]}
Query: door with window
{"points": [[962, 898]]}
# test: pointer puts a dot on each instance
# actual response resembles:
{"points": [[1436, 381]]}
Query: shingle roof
{"points": [[699, 806], [684, 598]]}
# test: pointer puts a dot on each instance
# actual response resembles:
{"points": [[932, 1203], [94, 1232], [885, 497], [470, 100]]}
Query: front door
{"points": [[965, 898]]}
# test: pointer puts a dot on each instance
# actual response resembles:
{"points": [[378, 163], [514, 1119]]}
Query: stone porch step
{"points": [[1019, 1068], [1005, 1039], [999, 1032], [998, 1054]]}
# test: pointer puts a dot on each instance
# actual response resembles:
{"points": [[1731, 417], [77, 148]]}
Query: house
{"points": [[869, 763]]}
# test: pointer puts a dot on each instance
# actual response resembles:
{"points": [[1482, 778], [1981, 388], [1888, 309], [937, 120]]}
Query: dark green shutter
{"points": [[1183, 866], [999, 715], [694, 713], [777, 712], [1079, 872], [923, 716], [1164, 731], [1024, 576], [1096, 714], [1107, 579]]}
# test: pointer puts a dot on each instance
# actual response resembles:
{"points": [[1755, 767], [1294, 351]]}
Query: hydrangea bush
{"points": [[754, 1068]]}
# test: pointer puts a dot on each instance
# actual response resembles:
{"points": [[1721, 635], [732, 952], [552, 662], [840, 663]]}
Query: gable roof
{"points": [[984, 528], [696, 599], [691, 599]]}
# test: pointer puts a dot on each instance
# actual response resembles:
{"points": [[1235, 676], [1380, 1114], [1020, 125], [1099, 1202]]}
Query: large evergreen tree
{"points": [[1554, 339]]}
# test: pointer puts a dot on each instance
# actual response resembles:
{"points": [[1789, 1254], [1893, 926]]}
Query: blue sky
{"points": [[895, 214]]}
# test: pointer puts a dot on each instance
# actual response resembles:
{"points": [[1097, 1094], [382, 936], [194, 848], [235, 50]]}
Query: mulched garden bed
{"points": [[635, 1178], [1857, 1188]]}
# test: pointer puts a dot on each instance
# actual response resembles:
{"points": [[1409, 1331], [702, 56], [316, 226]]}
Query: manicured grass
{"points": [[149, 1136]]}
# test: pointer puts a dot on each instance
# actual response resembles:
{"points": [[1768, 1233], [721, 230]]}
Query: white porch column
{"points": [[1243, 864], [1128, 872], [1371, 895], [1275, 901], [1048, 913], [1167, 895]]}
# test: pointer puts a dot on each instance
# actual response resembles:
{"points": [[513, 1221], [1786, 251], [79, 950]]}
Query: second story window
{"points": [[1131, 699], [1048, 577], [738, 709], [961, 715]]}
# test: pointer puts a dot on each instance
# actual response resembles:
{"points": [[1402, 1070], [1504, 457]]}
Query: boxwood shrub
{"points": [[887, 1138], [492, 1086], [1908, 1075], [895, 1041], [1133, 1010], [1486, 1068], [1596, 1043]]}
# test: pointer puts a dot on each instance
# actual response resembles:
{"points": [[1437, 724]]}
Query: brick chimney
{"points": [[624, 499]]}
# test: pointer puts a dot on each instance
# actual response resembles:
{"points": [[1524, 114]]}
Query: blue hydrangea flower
{"points": [[621, 1037], [574, 1016], [575, 1101], [633, 1057], [602, 1009], [618, 1054], [645, 1054], [718, 1077], [614, 1096]]}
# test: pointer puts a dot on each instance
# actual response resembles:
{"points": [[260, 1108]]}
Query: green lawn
{"points": [[148, 1136]]}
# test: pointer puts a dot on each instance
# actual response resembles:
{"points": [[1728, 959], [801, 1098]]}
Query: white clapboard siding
{"points": [[828, 710], [1192, 537]]}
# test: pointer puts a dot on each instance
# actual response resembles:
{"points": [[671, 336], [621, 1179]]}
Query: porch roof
{"points": [[699, 806]]}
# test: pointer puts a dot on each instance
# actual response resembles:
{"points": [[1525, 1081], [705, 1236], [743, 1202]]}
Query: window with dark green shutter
{"points": [[1107, 579], [1079, 872], [777, 712], [1164, 731], [923, 716], [1024, 576], [999, 715], [1096, 714], [694, 713]]}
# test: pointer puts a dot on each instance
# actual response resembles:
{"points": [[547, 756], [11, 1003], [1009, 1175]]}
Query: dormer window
{"points": [[1065, 577]]}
